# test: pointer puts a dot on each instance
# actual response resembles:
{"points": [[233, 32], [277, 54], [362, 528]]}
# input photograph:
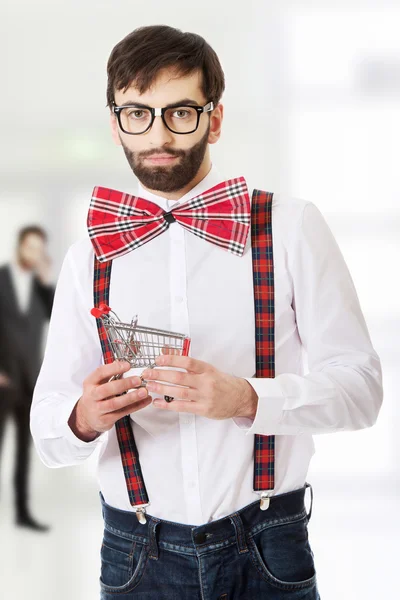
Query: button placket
{"points": [[178, 284], [190, 471], [180, 322]]}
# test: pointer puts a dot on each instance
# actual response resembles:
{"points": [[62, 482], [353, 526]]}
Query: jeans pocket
{"points": [[123, 561], [282, 554]]}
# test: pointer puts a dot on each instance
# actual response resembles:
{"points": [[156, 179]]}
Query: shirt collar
{"points": [[212, 178]]}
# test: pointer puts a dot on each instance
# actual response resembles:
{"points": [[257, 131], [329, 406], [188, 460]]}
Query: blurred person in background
{"points": [[26, 299], [215, 507]]}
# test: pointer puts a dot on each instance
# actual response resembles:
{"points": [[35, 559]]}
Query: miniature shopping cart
{"points": [[137, 344]]}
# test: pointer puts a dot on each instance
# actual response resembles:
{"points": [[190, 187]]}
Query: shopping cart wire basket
{"points": [[137, 344]]}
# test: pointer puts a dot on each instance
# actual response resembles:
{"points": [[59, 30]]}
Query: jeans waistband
{"points": [[195, 537]]}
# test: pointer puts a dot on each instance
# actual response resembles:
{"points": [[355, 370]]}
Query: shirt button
{"points": [[179, 299], [191, 484]]}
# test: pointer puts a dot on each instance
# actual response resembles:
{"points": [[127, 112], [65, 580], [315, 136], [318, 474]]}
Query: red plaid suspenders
{"points": [[129, 454], [263, 283], [264, 310]]}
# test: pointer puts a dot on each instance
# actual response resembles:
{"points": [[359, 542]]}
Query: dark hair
{"points": [[35, 229], [143, 53]]}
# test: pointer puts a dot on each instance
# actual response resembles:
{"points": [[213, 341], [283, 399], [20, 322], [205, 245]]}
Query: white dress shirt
{"points": [[197, 469], [22, 281]]}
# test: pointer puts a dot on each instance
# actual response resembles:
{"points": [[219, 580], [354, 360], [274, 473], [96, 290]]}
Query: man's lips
{"points": [[161, 159]]}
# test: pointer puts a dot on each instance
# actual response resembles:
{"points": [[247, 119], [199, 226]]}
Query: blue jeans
{"points": [[248, 555]]}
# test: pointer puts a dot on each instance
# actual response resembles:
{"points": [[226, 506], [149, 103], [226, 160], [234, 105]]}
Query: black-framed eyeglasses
{"points": [[182, 119]]}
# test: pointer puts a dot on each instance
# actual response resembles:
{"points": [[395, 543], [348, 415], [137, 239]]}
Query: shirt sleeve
{"points": [[72, 352], [342, 390]]}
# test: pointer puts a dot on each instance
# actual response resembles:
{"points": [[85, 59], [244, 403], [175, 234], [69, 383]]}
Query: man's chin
{"points": [[157, 178], [158, 184]]}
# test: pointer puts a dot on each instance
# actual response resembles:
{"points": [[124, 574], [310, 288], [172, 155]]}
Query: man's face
{"points": [[183, 155], [31, 251]]}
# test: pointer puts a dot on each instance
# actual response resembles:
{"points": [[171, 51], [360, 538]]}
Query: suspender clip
{"points": [[265, 500], [141, 514]]}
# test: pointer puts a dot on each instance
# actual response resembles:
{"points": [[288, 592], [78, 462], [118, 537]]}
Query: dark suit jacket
{"points": [[21, 333]]}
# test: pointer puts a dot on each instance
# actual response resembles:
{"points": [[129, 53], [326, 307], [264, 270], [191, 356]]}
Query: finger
{"points": [[127, 410], [118, 386], [104, 372], [117, 403], [169, 350], [184, 362], [177, 377], [178, 406], [183, 393]]}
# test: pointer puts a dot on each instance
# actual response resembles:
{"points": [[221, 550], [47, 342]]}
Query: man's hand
{"points": [[100, 405], [43, 269], [206, 392]]}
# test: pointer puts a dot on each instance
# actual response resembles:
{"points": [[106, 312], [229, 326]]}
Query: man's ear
{"points": [[115, 129], [216, 119]]}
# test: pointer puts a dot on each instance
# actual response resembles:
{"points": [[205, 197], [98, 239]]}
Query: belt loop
{"points": [[153, 546], [308, 485], [240, 535]]}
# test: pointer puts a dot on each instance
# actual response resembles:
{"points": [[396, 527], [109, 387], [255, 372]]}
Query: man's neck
{"points": [[203, 172]]}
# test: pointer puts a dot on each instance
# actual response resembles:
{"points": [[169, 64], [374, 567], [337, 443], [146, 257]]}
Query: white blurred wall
{"points": [[312, 108]]}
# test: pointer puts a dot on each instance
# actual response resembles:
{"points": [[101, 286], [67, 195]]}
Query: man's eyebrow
{"points": [[172, 105]]}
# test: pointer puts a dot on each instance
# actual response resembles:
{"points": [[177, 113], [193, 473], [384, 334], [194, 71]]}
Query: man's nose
{"points": [[159, 134]]}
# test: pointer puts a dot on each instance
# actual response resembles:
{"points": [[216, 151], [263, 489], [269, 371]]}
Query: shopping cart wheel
{"points": [[168, 398]]}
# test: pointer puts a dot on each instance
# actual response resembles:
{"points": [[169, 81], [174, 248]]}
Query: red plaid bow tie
{"points": [[118, 223]]}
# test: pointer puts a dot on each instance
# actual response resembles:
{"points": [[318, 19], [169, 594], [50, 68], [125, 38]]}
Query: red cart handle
{"points": [[186, 347], [102, 309]]}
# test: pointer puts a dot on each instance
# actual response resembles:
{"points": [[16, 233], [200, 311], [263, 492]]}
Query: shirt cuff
{"points": [[269, 408], [66, 431]]}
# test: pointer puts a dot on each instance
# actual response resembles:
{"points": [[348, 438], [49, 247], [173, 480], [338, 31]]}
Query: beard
{"points": [[168, 178]]}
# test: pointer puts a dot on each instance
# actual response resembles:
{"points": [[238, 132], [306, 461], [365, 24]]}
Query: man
{"points": [[201, 514], [26, 298]]}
